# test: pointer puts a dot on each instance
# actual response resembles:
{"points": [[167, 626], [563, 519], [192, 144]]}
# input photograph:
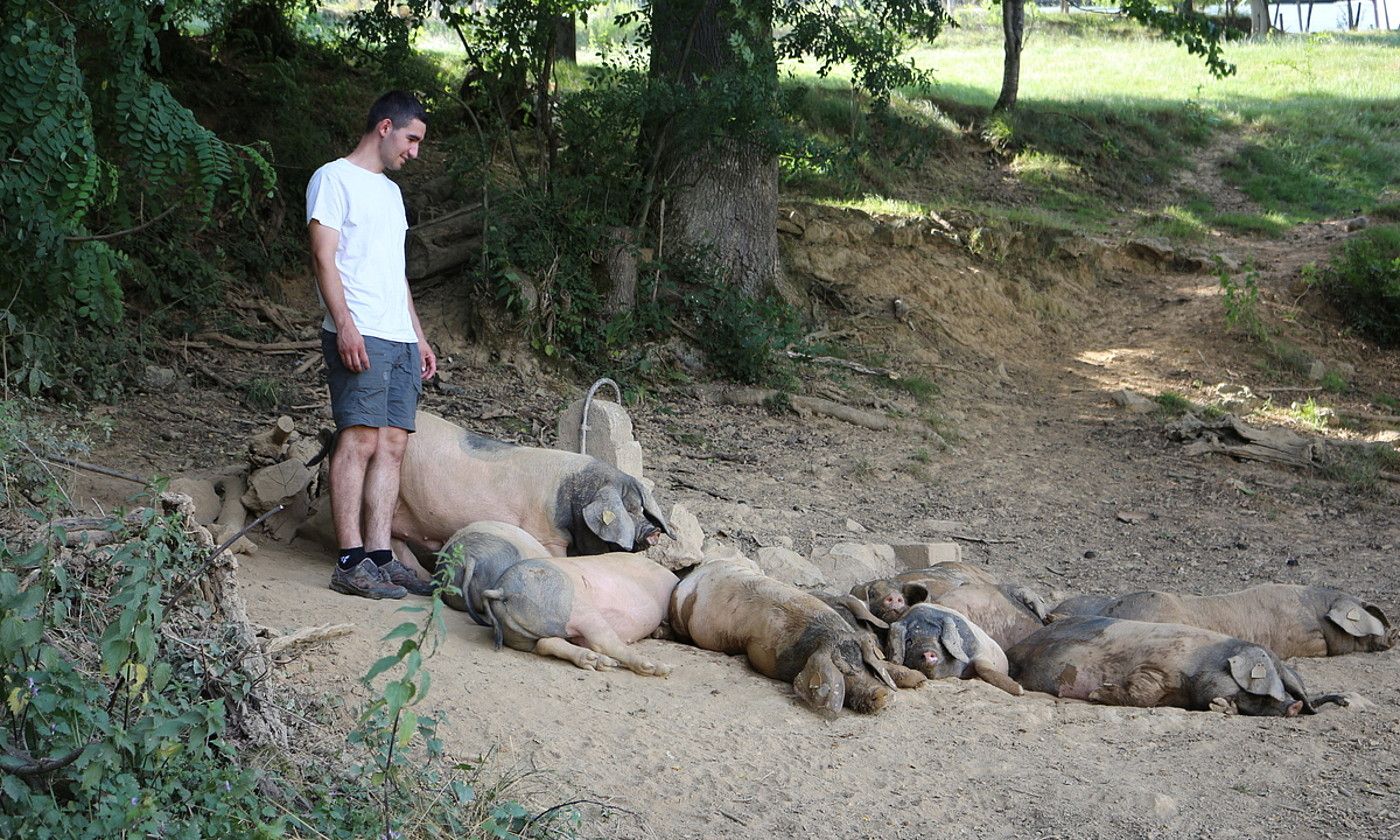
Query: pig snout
{"points": [[930, 657]]}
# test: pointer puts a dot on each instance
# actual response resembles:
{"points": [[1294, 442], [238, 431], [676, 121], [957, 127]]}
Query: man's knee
{"points": [[391, 443], [356, 444]]}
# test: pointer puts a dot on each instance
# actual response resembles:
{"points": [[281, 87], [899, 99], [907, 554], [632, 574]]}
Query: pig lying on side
{"points": [[476, 557], [572, 503], [857, 615], [1012, 609], [728, 605], [941, 642], [1290, 620], [1005, 619], [585, 610], [1136, 663]]}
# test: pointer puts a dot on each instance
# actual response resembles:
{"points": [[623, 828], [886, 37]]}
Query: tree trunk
{"points": [[721, 184], [1013, 27], [1258, 19], [566, 39]]}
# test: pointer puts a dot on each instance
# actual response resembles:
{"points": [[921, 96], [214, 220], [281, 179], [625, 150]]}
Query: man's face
{"points": [[399, 145]]}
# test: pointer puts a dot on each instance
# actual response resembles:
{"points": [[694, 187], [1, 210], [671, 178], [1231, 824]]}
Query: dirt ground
{"points": [[1046, 481]]}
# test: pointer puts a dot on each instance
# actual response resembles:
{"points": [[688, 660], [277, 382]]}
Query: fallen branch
{"points": [[307, 636], [97, 468], [845, 363], [209, 563], [270, 347], [828, 408]]}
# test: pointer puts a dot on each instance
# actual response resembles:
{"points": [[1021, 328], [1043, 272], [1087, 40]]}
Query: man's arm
{"points": [[348, 341], [426, 356]]}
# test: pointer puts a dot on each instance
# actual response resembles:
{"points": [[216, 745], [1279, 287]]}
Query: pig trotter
{"points": [[588, 660], [1000, 680], [1335, 699]]}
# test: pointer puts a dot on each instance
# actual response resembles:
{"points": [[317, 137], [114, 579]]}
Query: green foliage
{"points": [[1364, 283], [106, 151], [1171, 404], [264, 394], [25, 441], [1361, 467], [1242, 302], [741, 336]]}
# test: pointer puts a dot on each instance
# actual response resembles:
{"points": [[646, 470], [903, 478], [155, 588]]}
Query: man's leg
{"points": [[355, 573], [381, 498]]}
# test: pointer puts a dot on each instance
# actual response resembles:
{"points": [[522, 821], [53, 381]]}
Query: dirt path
{"points": [[1042, 465]]}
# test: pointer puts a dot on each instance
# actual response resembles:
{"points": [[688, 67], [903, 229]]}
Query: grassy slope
{"points": [[1316, 119]]}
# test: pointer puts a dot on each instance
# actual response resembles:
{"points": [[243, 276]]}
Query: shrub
{"points": [[1364, 283]]}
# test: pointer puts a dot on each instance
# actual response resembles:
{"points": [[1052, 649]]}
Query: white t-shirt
{"points": [[366, 208]]}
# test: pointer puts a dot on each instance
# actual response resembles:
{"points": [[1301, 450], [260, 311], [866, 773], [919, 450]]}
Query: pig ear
{"points": [[953, 641], [1355, 619], [821, 684], [874, 659], [895, 643], [915, 593], [861, 611], [653, 511], [606, 517], [1255, 673], [1293, 684]]}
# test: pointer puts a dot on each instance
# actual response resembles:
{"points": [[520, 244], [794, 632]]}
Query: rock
{"points": [[1164, 807], [1134, 402], [790, 567], [1317, 370], [201, 491], [846, 564], [855, 527], [1151, 248], [688, 549], [791, 222], [922, 555], [1357, 223], [1345, 370], [158, 378], [856, 231], [610, 435], [1235, 396], [1133, 517], [818, 232]]}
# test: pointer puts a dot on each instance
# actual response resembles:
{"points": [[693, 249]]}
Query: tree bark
{"points": [[1013, 27], [721, 185], [1258, 19], [566, 39]]}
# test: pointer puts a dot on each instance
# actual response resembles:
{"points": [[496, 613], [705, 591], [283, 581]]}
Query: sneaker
{"points": [[364, 580], [398, 574]]}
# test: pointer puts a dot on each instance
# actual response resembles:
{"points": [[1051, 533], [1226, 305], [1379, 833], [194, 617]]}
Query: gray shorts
{"points": [[385, 395]]}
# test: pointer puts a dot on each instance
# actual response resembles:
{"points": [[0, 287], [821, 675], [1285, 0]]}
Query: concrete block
{"points": [[922, 555], [846, 564], [788, 566], [610, 435]]}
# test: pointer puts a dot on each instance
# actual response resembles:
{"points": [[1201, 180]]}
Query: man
{"points": [[374, 347]]}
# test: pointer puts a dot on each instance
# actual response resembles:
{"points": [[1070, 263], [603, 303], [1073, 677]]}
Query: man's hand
{"points": [[352, 348], [428, 365]]}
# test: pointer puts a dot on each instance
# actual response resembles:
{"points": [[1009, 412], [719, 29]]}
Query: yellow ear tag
{"points": [[608, 517], [1354, 615], [1259, 672]]}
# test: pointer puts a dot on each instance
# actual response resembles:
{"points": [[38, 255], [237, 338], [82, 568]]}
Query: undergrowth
{"points": [[1363, 281]]}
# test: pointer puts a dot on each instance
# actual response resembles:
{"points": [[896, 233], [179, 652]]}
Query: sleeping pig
{"points": [[857, 615], [729, 605], [574, 504], [941, 642], [1136, 663], [585, 610], [890, 597], [476, 557], [1290, 620]]}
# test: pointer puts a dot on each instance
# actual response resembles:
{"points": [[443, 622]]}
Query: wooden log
{"points": [[443, 243], [269, 347], [306, 637], [271, 485], [269, 445]]}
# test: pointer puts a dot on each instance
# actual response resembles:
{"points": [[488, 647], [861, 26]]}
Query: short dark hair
{"points": [[397, 106]]}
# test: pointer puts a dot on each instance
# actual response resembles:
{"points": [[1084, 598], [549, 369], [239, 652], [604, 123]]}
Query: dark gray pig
{"points": [[941, 642], [573, 504], [728, 605], [1288, 619], [476, 557], [1136, 663], [1006, 619], [857, 614]]}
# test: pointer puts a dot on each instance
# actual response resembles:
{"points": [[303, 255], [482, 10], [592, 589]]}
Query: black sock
{"points": [[349, 558], [381, 557]]}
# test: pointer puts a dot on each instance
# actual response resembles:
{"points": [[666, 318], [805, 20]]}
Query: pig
{"points": [[584, 610], [475, 558], [1288, 619], [1005, 619], [890, 597], [1120, 662], [857, 615], [729, 605], [941, 642], [572, 503]]}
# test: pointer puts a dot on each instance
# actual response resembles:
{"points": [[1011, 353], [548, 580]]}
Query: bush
{"points": [[1364, 283]]}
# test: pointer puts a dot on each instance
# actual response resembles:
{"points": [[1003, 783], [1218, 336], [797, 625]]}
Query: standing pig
{"points": [[941, 642], [574, 504], [890, 597], [728, 605], [1136, 663], [1290, 620], [585, 610], [476, 557]]}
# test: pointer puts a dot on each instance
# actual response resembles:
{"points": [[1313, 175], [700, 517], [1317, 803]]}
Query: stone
{"points": [[688, 549], [1357, 223], [1317, 370], [158, 378], [818, 232], [846, 564], [855, 527], [201, 491], [791, 222], [788, 566], [1151, 248], [610, 436], [1133, 401], [922, 555]]}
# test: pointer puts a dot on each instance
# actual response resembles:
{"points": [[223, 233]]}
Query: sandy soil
{"points": [[1025, 352]]}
